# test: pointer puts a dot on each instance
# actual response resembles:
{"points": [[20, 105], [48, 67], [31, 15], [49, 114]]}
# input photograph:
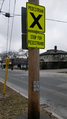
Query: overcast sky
{"points": [[56, 32]]}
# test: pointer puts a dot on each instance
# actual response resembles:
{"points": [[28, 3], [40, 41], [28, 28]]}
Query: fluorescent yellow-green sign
{"points": [[35, 40], [35, 17]]}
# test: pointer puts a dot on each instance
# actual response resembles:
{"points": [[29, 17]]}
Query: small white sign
{"points": [[35, 85]]}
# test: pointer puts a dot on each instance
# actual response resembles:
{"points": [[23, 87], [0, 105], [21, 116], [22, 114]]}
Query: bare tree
{"points": [[13, 55]]}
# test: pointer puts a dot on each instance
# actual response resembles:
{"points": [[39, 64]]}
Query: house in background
{"points": [[53, 59]]}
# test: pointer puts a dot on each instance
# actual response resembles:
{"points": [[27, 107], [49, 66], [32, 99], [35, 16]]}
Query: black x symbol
{"points": [[36, 20]]}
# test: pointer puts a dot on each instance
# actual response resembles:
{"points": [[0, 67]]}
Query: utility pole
{"points": [[33, 96]]}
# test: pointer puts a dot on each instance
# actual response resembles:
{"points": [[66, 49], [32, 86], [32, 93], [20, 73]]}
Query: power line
{"points": [[11, 14], [2, 5], [20, 15], [56, 20], [12, 25]]}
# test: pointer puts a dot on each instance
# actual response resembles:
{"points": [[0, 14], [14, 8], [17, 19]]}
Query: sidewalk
{"points": [[42, 116]]}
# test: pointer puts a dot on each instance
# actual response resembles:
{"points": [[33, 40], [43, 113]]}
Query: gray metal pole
{"points": [[33, 96]]}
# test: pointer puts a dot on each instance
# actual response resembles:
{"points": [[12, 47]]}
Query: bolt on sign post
{"points": [[6, 72]]}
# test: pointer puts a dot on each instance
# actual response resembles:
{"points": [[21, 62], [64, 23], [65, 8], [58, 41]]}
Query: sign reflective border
{"points": [[35, 17], [35, 40]]}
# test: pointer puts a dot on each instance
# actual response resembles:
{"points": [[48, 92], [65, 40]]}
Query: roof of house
{"points": [[52, 52]]}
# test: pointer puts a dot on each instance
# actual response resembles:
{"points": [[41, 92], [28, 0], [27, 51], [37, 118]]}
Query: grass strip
{"points": [[15, 104]]}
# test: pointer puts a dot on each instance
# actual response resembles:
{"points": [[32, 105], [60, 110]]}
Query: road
{"points": [[53, 88]]}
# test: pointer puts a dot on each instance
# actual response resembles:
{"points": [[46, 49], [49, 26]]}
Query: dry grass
{"points": [[14, 105]]}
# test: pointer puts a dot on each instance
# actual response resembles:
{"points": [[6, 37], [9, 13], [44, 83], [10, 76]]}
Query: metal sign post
{"points": [[6, 72]]}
